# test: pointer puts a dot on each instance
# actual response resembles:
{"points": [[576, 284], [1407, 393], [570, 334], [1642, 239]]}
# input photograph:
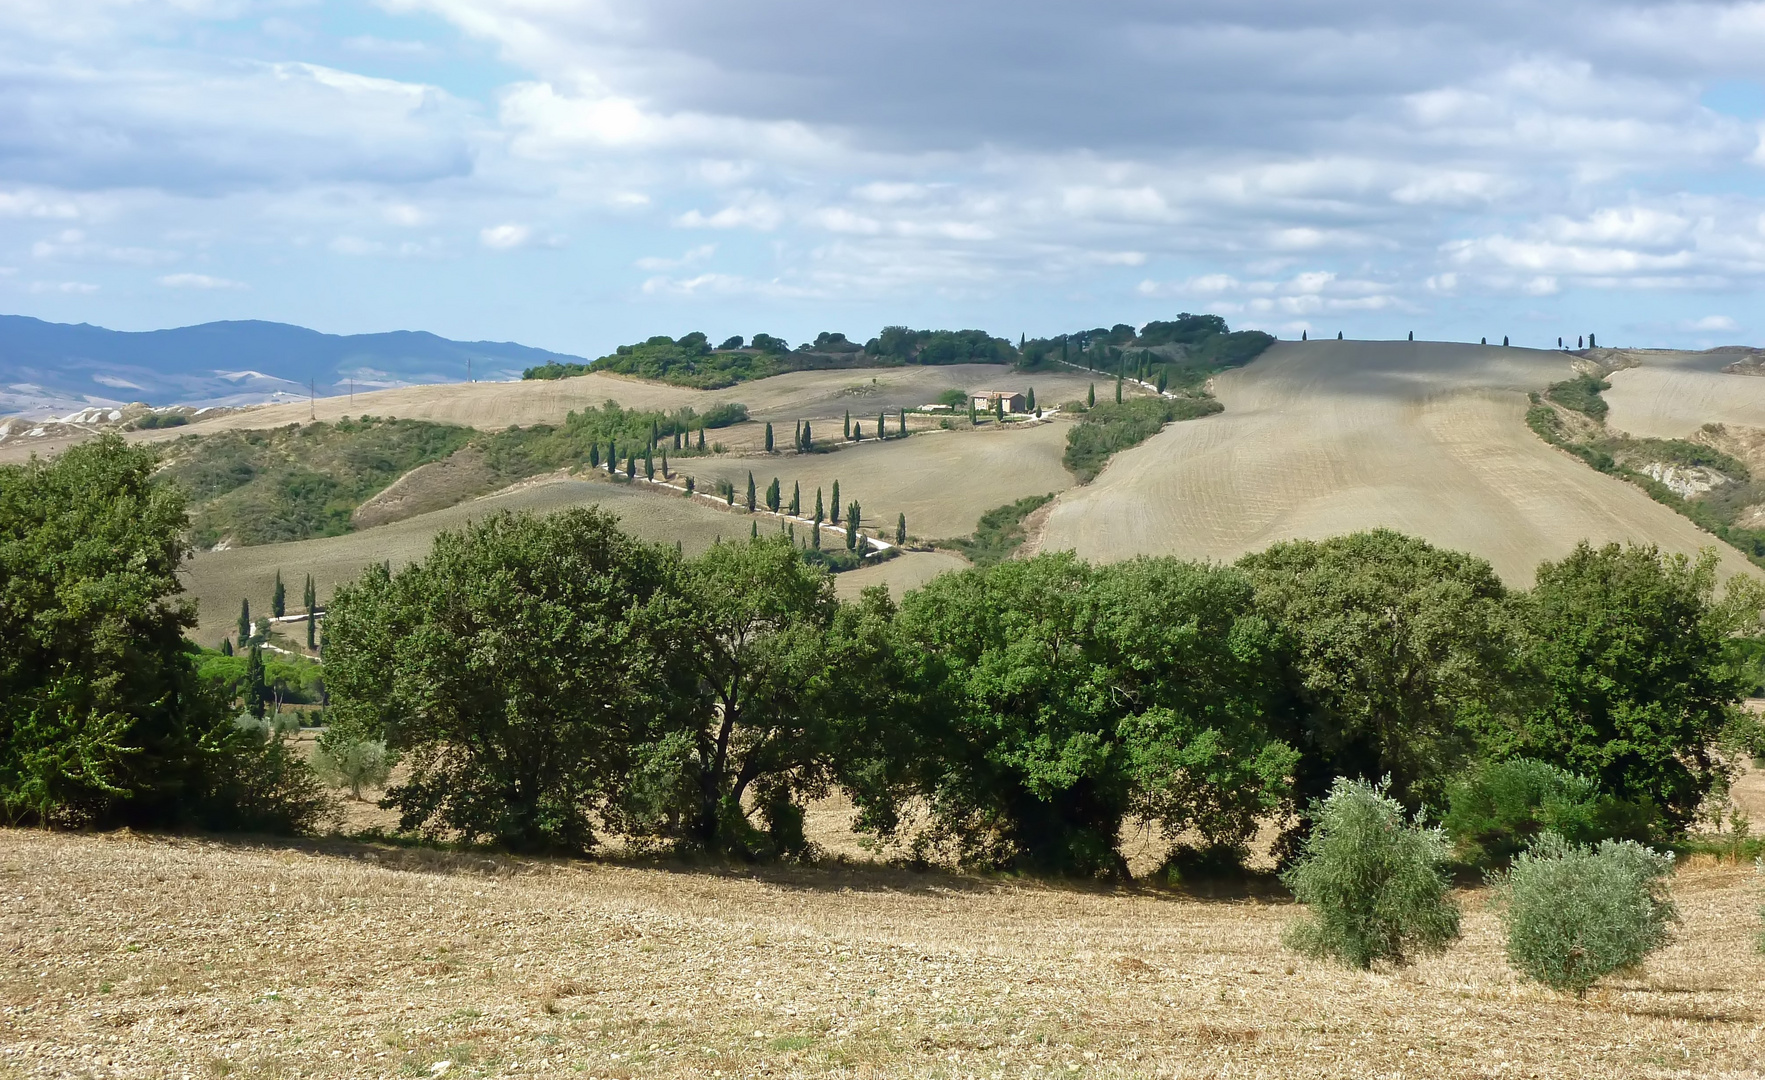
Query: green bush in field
{"points": [[1575, 913], [1372, 881], [1498, 808], [346, 758]]}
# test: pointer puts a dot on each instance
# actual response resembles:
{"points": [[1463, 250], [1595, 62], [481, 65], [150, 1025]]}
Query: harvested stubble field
{"points": [[140, 956], [217, 580], [1326, 438]]}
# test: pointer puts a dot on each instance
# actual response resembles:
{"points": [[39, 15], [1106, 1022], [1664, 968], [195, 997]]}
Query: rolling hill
{"points": [[1329, 437]]}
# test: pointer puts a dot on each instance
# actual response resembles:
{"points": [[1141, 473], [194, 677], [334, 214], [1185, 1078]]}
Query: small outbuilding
{"points": [[989, 400]]}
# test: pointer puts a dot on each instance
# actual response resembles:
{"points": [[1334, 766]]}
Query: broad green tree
{"points": [[514, 668], [1402, 654], [1626, 645], [103, 719]]}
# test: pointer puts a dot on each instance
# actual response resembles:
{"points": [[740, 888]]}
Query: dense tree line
{"points": [[552, 677]]}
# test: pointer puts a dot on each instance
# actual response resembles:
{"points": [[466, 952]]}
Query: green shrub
{"points": [[345, 758], [1497, 809], [1575, 913], [1372, 881], [999, 532], [1582, 394]]}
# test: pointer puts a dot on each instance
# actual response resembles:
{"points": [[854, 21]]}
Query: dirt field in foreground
{"points": [[132, 956]]}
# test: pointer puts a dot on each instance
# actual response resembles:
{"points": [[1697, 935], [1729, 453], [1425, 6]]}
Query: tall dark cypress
{"points": [[244, 621], [901, 529], [769, 436], [254, 682], [848, 423], [882, 424], [808, 437], [750, 492], [279, 598], [796, 498], [820, 514], [836, 502]]}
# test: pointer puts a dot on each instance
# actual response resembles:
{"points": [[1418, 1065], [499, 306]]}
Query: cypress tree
{"points": [[701, 436], [279, 598], [1029, 400], [750, 492], [655, 435], [999, 409], [772, 495], [1482, 341], [612, 459], [1118, 389], [1302, 335], [858, 431], [836, 502], [311, 595], [901, 529], [691, 486], [254, 682], [808, 438], [1091, 396], [226, 646], [729, 492], [753, 530], [902, 430], [1590, 343], [820, 514], [971, 418], [1162, 380], [769, 436], [312, 629], [815, 531], [848, 423], [1338, 335], [664, 464], [631, 467], [797, 439], [649, 466], [852, 526], [796, 498], [1504, 341], [1413, 337], [244, 622], [882, 425]]}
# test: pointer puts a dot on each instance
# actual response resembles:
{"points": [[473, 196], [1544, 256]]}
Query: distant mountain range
{"points": [[51, 368]]}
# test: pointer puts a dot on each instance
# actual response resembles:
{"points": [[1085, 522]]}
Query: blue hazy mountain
{"points": [[56, 367]]}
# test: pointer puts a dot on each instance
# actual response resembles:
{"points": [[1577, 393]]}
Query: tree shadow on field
{"points": [[829, 876]]}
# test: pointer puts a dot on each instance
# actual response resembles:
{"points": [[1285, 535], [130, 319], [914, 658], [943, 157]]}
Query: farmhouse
{"points": [[986, 400]]}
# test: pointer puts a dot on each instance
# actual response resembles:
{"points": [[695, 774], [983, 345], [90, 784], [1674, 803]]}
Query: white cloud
{"points": [[199, 281], [1709, 323], [505, 237], [76, 288]]}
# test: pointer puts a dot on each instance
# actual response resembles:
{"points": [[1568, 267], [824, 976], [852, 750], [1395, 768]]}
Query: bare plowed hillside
{"points": [[1674, 393], [942, 480], [220, 579], [1330, 437]]}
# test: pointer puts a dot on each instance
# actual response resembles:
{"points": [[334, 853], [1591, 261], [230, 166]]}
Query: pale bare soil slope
{"points": [[1672, 394], [140, 957], [1324, 438], [219, 579], [904, 572]]}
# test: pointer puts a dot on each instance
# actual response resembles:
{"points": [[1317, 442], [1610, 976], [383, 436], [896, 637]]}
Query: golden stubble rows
{"points": [[139, 956]]}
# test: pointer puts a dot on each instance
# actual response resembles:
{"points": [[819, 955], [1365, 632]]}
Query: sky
{"points": [[573, 174]]}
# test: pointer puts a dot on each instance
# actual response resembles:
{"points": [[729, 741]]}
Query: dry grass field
{"points": [[219, 579], [141, 956], [1331, 437]]}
